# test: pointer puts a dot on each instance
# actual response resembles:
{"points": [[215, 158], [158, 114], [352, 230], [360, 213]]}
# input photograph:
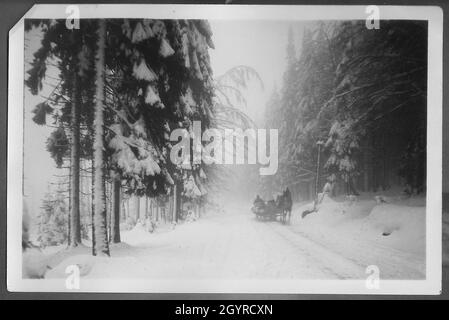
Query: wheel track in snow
{"points": [[393, 263], [327, 261]]}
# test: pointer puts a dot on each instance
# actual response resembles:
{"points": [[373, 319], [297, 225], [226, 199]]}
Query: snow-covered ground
{"points": [[390, 235], [338, 242]]}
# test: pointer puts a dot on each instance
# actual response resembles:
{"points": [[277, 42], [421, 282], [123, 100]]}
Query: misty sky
{"points": [[258, 44]]}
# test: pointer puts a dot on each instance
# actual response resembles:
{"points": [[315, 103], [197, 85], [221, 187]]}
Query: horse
{"points": [[284, 203]]}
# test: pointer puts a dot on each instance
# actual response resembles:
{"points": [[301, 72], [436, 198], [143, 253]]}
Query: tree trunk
{"points": [[176, 201], [70, 207], [152, 207], [311, 190], [88, 191], [171, 207], [92, 180], [123, 213], [75, 224], [146, 207], [115, 214], [137, 208], [127, 208], [109, 202], [101, 243]]}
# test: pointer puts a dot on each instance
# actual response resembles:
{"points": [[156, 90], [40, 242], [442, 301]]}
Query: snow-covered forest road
{"points": [[236, 245]]}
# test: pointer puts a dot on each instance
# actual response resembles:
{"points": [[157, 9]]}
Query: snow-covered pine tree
{"points": [[380, 94], [355, 90], [52, 220], [68, 51], [160, 89]]}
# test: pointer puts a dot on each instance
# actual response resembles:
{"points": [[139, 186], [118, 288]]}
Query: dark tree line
{"points": [[359, 97]]}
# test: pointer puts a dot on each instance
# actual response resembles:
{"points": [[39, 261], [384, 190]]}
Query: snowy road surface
{"points": [[236, 245]]}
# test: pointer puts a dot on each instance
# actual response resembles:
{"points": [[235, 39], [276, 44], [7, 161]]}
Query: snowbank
{"points": [[400, 225], [100, 267], [34, 264]]}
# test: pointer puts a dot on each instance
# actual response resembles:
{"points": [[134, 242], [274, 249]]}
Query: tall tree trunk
{"points": [[137, 208], [146, 207], [88, 189], [109, 195], [92, 180], [152, 207], [101, 242], [171, 207], [75, 224], [127, 208], [123, 213], [70, 207], [115, 214], [176, 201]]}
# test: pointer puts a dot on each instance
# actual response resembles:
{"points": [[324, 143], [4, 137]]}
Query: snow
{"points": [[141, 33], [142, 72], [34, 264], [338, 242], [185, 49], [152, 97], [147, 27], [188, 102], [196, 66], [391, 236], [191, 190], [159, 29], [83, 60], [126, 28], [124, 157], [166, 50], [139, 128]]}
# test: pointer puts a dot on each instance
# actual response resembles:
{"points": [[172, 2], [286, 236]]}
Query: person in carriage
{"points": [[258, 202]]}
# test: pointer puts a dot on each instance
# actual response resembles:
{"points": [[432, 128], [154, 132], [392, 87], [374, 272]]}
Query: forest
{"points": [[351, 109], [122, 84]]}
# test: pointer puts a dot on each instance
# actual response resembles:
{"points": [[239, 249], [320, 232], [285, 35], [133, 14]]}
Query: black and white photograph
{"points": [[208, 149]]}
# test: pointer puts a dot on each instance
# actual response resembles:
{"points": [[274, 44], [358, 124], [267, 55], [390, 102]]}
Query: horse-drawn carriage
{"points": [[272, 209]]}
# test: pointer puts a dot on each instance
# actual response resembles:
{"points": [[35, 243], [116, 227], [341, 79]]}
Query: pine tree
{"points": [[352, 89], [165, 79], [66, 48], [115, 215], [52, 220]]}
